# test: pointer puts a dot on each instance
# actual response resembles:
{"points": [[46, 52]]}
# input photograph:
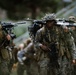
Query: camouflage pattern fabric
{"points": [[45, 37]]}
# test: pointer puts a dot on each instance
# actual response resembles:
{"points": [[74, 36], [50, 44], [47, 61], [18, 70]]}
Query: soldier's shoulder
{"points": [[31, 44], [40, 30]]}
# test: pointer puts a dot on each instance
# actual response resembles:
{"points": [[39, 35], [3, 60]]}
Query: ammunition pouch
{"points": [[4, 54]]}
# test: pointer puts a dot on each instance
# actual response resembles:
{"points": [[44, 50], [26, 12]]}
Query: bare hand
{"points": [[8, 37], [66, 29], [44, 47], [74, 61], [73, 28]]}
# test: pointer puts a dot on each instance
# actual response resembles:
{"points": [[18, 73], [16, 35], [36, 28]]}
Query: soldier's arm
{"points": [[38, 39], [73, 32], [71, 45], [29, 50]]}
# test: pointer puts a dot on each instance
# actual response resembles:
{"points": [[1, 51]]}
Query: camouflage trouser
{"points": [[66, 66], [34, 68], [45, 68], [31, 68], [4, 70], [74, 69], [11, 62], [20, 69]]}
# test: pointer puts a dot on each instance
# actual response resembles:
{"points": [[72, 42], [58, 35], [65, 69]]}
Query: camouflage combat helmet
{"points": [[49, 17]]}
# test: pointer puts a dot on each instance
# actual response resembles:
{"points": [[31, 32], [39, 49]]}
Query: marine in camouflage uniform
{"points": [[30, 64], [67, 52], [22, 64], [5, 40], [46, 51], [73, 31], [32, 68]]}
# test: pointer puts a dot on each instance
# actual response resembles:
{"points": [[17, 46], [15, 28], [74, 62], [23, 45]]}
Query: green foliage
{"points": [[18, 9], [21, 29]]}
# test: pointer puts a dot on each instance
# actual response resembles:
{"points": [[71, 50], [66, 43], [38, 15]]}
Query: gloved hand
{"points": [[20, 61], [24, 58]]}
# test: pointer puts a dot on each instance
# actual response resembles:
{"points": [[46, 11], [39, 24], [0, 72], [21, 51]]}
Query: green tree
{"points": [[18, 9]]}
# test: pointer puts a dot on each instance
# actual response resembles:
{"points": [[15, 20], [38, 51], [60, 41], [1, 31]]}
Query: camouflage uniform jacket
{"points": [[4, 53], [45, 37], [68, 44], [74, 34]]}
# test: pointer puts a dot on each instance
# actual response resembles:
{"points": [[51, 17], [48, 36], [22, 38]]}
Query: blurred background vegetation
{"points": [[16, 10], [19, 9]]}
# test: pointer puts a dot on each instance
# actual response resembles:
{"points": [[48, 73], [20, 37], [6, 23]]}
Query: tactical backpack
{"points": [[37, 24]]}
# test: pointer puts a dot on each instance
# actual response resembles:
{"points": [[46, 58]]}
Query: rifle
{"points": [[59, 22], [64, 22], [9, 26], [37, 24]]}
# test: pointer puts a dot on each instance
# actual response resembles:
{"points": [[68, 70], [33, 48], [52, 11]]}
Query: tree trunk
{"points": [[34, 12]]}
